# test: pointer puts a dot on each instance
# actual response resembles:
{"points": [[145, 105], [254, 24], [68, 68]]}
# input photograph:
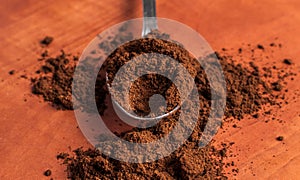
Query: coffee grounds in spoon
{"points": [[159, 51]]}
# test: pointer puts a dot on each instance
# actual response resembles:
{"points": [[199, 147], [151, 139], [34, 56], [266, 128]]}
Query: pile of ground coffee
{"points": [[249, 89], [55, 80], [186, 163], [158, 51], [254, 90]]}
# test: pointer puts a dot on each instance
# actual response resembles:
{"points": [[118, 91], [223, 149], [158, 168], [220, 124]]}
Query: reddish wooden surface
{"points": [[32, 132]]}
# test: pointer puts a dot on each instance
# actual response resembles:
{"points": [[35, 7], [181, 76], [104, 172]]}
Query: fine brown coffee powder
{"points": [[249, 89]]}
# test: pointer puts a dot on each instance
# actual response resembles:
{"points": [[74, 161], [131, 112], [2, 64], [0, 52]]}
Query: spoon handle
{"points": [[149, 22]]}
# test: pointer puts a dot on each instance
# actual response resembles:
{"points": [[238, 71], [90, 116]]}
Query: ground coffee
{"points": [[144, 87], [249, 90], [54, 82]]}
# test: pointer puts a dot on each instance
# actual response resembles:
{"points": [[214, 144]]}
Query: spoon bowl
{"points": [[149, 25]]}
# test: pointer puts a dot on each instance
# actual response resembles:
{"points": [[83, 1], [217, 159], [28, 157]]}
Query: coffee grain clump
{"points": [[55, 80]]}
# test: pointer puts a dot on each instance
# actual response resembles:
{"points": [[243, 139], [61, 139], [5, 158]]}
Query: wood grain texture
{"points": [[32, 132]]}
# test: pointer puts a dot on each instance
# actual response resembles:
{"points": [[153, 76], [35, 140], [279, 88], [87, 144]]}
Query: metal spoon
{"points": [[149, 24], [94, 125]]}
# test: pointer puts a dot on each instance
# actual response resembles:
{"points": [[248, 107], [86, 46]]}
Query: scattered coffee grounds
{"points": [[187, 163], [47, 172], [287, 61], [24, 76], [279, 138], [276, 86], [54, 82], [12, 72], [47, 41], [249, 90], [62, 156], [255, 115], [259, 46], [246, 91]]}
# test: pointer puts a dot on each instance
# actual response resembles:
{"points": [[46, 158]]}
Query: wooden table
{"points": [[32, 132]]}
